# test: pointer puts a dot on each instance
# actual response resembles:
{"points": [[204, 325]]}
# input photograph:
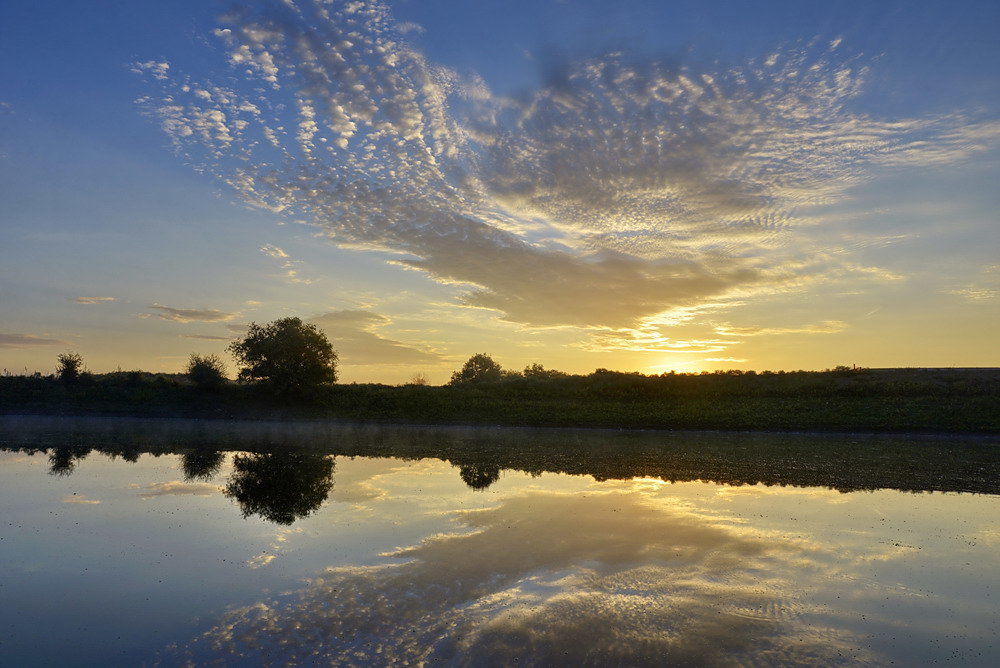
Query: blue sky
{"points": [[632, 185]]}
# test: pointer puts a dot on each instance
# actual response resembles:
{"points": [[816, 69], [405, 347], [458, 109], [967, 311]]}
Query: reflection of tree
{"points": [[479, 476], [62, 460], [280, 487], [201, 464]]}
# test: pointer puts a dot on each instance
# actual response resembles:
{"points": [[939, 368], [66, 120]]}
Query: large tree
{"points": [[478, 369], [287, 355]]}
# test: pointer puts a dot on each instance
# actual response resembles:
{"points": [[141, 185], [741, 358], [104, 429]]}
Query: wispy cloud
{"points": [[825, 327], [620, 190], [94, 300], [353, 335], [206, 337], [11, 340], [191, 315], [984, 288]]}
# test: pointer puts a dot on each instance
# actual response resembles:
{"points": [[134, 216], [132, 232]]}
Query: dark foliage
{"points": [[206, 371], [287, 356], [480, 369], [281, 487], [70, 367]]}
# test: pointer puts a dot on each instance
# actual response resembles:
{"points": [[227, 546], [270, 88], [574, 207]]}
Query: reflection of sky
{"points": [[405, 557]]}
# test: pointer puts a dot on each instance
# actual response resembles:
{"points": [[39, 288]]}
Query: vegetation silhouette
{"points": [[480, 475], [207, 372], [287, 356], [70, 367], [480, 369], [63, 460], [281, 486], [836, 400], [201, 463]]}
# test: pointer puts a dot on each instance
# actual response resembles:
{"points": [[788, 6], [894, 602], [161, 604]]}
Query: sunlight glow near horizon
{"points": [[614, 187]]}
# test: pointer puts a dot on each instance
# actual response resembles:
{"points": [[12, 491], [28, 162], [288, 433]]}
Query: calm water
{"points": [[130, 542]]}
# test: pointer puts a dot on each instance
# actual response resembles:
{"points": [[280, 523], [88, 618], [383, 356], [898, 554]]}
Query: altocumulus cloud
{"points": [[619, 191], [191, 315]]}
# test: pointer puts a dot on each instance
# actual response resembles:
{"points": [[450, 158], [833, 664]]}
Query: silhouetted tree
{"points": [[286, 355], [281, 487], [201, 464], [479, 369], [70, 367], [206, 371]]}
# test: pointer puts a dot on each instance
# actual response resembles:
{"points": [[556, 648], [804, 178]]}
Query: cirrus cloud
{"points": [[192, 315]]}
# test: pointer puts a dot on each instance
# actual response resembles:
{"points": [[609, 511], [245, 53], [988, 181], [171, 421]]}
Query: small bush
{"points": [[70, 367]]}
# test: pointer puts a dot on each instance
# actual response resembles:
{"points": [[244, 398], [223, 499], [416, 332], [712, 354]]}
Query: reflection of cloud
{"points": [[82, 500], [9, 340], [94, 300], [276, 547], [179, 488], [189, 315], [619, 190], [351, 334], [603, 578]]}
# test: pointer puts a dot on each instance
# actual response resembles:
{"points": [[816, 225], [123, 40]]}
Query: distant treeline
{"points": [[839, 399]]}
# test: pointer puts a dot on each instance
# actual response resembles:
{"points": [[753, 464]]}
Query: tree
{"points": [[70, 367], [286, 355], [479, 369], [206, 371]]}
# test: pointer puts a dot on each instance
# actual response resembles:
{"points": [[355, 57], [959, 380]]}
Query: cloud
{"points": [[735, 360], [10, 340], [351, 334], [206, 337], [155, 69], [273, 251], [190, 315], [179, 488], [619, 190], [984, 288], [94, 300], [565, 579], [825, 327]]}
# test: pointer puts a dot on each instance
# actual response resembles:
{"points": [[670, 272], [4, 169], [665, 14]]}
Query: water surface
{"points": [[164, 542]]}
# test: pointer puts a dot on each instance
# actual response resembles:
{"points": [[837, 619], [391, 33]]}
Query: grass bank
{"points": [[870, 400]]}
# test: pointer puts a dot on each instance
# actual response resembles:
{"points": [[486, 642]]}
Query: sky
{"points": [[633, 185]]}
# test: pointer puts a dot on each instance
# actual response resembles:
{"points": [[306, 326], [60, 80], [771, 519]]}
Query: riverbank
{"points": [[877, 400]]}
